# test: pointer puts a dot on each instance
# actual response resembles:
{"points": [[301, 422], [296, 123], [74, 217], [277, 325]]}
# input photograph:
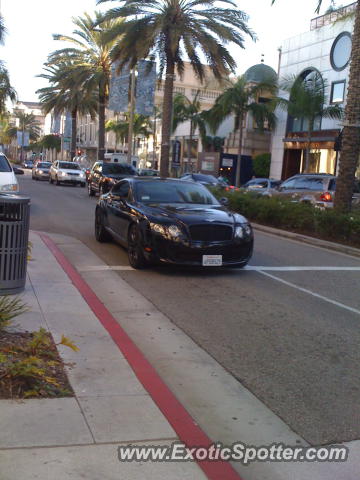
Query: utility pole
{"points": [[131, 118]]}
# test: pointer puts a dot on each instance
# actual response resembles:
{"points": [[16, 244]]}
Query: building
{"points": [[324, 49]]}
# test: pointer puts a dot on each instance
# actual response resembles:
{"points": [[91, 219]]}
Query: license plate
{"points": [[212, 260]]}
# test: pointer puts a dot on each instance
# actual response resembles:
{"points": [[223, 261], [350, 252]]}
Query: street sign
{"points": [[176, 153]]}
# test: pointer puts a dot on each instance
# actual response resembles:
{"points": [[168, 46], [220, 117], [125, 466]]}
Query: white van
{"points": [[8, 181]]}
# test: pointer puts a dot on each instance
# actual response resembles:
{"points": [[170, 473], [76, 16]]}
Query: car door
{"points": [[119, 209]]}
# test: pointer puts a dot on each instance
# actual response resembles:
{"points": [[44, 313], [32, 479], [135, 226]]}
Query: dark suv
{"points": [[104, 175], [317, 189]]}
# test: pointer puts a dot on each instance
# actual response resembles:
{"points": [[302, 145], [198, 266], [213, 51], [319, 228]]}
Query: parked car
{"points": [[317, 189], [148, 172], [104, 175], [8, 181], [204, 179], [67, 172], [172, 221], [262, 186], [41, 171], [28, 164]]}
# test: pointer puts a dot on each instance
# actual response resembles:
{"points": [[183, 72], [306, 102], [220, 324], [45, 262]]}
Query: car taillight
{"points": [[326, 197]]}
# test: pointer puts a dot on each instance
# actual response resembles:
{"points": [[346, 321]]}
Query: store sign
{"points": [[227, 162], [208, 165]]}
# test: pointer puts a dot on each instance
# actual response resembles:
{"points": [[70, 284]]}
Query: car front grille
{"points": [[211, 233]]}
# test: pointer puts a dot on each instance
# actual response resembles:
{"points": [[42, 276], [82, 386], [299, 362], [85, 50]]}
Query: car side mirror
{"points": [[224, 201]]}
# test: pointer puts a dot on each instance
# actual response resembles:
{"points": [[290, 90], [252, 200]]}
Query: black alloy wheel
{"points": [[135, 253], [101, 234]]}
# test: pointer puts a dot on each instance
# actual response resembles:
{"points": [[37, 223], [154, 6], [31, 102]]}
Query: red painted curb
{"points": [[175, 413]]}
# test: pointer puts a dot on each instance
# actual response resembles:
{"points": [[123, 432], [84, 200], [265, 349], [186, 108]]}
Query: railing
{"points": [[213, 94], [332, 16]]}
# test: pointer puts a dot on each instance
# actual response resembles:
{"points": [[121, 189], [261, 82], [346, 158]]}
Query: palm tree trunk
{"points": [[166, 116], [73, 133], [351, 133], [101, 141], [238, 163], [189, 147]]}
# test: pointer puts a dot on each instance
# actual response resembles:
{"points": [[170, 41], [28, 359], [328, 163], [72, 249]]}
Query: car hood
{"points": [[192, 214], [116, 176]]}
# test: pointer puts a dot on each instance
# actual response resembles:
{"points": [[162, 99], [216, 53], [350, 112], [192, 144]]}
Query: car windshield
{"points": [[173, 192], [44, 165], [4, 164], [69, 166], [118, 169], [204, 178]]}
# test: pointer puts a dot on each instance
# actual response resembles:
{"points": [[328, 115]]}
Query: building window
{"points": [[337, 92], [341, 51]]}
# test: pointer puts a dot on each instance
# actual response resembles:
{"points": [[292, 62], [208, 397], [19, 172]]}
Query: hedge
{"points": [[302, 218]]}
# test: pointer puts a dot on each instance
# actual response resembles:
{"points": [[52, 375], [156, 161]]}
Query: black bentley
{"points": [[172, 221]]}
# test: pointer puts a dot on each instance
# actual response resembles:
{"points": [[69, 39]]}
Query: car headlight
{"points": [[174, 231], [155, 227], [242, 231], [10, 187], [63, 174], [40, 171], [82, 174]]}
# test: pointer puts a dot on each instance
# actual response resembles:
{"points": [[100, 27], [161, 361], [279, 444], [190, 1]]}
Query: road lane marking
{"points": [[105, 268], [309, 292], [300, 269]]}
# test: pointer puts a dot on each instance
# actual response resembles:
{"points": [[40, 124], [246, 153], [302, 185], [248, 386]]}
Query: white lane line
{"points": [[309, 292], [104, 268], [299, 269]]}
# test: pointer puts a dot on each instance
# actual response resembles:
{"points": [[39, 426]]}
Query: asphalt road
{"points": [[287, 327]]}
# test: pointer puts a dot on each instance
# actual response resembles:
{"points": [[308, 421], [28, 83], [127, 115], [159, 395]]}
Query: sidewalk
{"points": [[77, 438]]}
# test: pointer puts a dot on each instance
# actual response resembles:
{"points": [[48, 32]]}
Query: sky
{"points": [[31, 23]]}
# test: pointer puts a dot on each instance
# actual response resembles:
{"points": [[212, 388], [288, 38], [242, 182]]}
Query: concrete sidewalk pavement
{"points": [[78, 437]]}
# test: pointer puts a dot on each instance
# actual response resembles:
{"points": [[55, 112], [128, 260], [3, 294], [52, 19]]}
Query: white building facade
{"points": [[325, 49]]}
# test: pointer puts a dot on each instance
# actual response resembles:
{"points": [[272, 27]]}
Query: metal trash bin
{"points": [[14, 236]]}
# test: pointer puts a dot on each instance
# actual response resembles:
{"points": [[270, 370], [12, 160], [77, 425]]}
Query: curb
{"points": [[176, 414], [316, 242]]}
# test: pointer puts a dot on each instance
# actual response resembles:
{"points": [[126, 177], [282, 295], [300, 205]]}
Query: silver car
{"points": [[262, 186], [67, 172], [41, 171]]}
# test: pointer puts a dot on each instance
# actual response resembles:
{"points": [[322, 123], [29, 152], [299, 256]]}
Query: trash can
{"points": [[14, 236]]}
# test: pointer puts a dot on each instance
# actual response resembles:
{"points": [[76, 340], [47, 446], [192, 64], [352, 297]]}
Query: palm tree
{"points": [[64, 95], [7, 92], [239, 100], [306, 101], [185, 110], [142, 127], [27, 123], [169, 29], [351, 132], [92, 62]]}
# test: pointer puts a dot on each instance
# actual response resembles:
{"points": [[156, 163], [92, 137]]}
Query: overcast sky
{"points": [[31, 23]]}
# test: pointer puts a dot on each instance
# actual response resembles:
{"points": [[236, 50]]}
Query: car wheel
{"points": [[90, 191], [135, 254], [101, 234], [57, 181]]}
